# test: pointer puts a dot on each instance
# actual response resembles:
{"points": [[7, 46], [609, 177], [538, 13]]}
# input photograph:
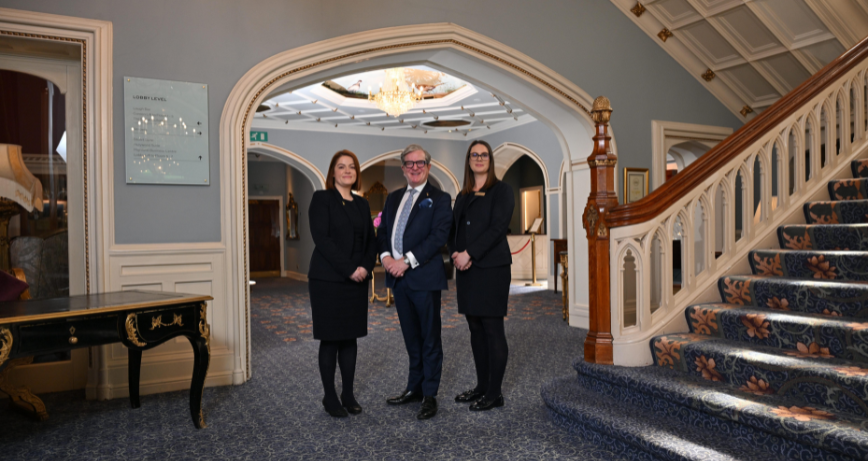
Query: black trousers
{"points": [[419, 313], [490, 353]]}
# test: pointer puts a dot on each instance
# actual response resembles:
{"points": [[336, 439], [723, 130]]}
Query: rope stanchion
{"points": [[522, 248]]}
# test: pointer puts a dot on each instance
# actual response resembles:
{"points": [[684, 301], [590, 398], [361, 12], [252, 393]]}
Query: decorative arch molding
{"points": [[548, 96], [510, 152], [665, 134], [439, 170], [300, 163]]}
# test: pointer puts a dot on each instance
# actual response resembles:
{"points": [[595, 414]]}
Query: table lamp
{"points": [[18, 189]]}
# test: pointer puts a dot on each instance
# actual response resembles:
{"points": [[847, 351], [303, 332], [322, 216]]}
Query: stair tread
{"points": [[810, 264], [845, 434], [659, 436], [795, 316]]}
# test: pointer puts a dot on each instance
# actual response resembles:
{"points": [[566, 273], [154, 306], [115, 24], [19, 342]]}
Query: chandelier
{"points": [[395, 97]]}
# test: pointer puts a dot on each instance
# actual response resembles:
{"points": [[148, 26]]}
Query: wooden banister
{"points": [[670, 192], [602, 161]]}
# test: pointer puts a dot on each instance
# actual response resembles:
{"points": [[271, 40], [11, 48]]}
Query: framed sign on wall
{"points": [[166, 132], [635, 184]]}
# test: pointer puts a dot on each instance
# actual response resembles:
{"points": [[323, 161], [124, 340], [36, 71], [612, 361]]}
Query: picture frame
{"points": [[635, 184]]}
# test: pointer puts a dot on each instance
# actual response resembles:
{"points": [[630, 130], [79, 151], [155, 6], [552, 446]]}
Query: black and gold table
{"points": [[140, 320]]}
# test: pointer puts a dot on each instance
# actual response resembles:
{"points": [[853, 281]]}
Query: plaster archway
{"points": [[296, 161], [546, 95]]}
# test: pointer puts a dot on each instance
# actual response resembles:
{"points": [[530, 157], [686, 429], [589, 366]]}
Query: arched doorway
{"points": [[550, 98]]}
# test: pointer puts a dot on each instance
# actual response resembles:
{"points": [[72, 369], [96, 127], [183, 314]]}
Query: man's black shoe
{"points": [[406, 397], [429, 408]]}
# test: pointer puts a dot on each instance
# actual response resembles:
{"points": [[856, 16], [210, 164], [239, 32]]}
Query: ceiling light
{"points": [[395, 97]]}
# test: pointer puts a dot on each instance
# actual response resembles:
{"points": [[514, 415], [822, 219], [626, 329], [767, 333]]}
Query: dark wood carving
{"points": [[598, 343], [666, 195]]}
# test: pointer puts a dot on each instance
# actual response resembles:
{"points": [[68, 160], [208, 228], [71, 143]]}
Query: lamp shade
{"points": [[17, 183]]}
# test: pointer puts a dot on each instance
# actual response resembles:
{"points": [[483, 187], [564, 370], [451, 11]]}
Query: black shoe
{"points": [[487, 403], [428, 410], [351, 405], [337, 412], [469, 396], [406, 397]]}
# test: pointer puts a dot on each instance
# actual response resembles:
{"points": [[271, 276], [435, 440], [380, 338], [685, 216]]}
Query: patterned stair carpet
{"points": [[278, 414], [777, 368]]}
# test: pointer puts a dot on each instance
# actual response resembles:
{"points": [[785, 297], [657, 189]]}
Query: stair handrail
{"points": [[668, 206]]}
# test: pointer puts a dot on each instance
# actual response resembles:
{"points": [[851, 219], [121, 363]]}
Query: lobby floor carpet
{"points": [[278, 414]]}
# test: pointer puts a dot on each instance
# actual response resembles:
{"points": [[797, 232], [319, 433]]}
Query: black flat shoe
{"points": [[469, 396], [428, 410], [406, 397], [337, 412], [352, 407], [487, 404]]}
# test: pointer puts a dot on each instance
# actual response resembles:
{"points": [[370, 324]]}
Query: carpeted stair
{"points": [[777, 370]]}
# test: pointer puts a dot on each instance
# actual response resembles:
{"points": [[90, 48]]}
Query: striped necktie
{"points": [[402, 222]]}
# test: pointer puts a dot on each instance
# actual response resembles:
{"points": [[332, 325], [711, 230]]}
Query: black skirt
{"points": [[483, 291], [339, 309]]}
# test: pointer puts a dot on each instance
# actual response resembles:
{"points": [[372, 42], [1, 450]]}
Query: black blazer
{"points": [[426, 232], [485, 222], [332, 233]]}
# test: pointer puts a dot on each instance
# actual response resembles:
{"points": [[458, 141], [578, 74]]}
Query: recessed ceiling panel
{"points": [[711, 45], [710, 7], [824, 52], [748, 31], [751, 83], [675, 12], [786, 69], [793, 19]]}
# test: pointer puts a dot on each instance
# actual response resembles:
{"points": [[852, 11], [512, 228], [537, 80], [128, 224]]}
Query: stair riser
{"points": [[780, 331], [801, 296], [859, 168], [722, 425], [848, 189], [810, 265], [849, 212], [853, 238], [816, 385]]}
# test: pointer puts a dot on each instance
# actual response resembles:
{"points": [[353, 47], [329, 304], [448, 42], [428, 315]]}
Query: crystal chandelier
{"points": [[395, 97]]}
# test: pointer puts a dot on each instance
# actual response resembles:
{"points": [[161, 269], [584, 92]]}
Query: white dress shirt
{"points": [[394, 254]]}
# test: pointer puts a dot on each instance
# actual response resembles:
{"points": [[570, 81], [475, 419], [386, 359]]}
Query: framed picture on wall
{"points": [[635, 184]]}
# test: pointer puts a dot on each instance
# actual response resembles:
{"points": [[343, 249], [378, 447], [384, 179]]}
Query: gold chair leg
{"points": [[20, 397]]}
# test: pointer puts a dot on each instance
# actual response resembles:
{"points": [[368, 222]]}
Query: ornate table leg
{"points": [[389, 299], [201, 359], [20, 397], [134, 369], [566, 286]]}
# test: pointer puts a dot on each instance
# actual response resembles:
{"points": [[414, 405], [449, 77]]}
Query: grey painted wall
{"points": [[298, 252], [589, 42]]}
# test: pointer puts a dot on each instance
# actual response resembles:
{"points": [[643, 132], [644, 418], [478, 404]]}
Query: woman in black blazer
{"points": [[481, 254], [344, 255]]}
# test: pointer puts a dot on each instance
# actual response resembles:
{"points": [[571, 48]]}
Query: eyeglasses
{"points": [[419, 164], [481, 156]]}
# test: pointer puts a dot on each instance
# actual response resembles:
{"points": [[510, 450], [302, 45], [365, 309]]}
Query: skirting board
{"points": [[160, 386], [295, 275]]}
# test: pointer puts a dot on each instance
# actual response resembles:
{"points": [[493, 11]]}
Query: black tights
{"points": [[341, 353], [490, 351]]}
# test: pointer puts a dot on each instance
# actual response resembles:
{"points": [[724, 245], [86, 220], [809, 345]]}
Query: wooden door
{"points": [[264, 230]]}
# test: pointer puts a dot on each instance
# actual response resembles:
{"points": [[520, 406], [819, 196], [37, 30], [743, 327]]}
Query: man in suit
{"points": [[414, 227]]}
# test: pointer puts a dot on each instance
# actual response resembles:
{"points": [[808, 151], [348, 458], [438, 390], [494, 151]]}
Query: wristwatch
{"points": [[407, 260]]}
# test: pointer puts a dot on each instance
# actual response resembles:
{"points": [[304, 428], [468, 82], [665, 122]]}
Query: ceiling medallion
{"points": [[446, 123], [708, 75], [664, 34], [638, 9], [745, 110], [395, 97]]}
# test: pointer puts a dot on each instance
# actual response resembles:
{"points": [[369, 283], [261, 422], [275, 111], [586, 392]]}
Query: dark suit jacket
{"points": [[426, 233], [332, 233], [486, 219]]}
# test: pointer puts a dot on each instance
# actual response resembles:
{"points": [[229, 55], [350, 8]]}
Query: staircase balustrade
{"points": [[772, 165]]}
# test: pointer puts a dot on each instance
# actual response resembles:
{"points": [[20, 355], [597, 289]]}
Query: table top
{"points": [[82, 305]]}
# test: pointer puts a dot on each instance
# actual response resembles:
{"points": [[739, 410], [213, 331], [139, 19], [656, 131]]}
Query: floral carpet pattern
{"points": [[790, 341], [278, 413]]}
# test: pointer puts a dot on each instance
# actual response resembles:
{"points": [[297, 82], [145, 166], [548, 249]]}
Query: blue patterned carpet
{"points": [[278, 415]]}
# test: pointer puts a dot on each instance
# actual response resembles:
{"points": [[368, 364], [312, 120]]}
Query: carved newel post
{"points": [[598, 343]]}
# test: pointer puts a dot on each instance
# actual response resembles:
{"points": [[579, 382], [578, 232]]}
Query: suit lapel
{"points": [[340, 201], [392, 210]]}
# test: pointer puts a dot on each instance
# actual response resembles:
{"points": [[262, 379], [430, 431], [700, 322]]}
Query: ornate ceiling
{"points": [[749, 53], [452, 108]]}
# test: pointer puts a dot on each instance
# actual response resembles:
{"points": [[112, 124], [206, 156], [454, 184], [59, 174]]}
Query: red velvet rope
{"points": [[522, 248]]}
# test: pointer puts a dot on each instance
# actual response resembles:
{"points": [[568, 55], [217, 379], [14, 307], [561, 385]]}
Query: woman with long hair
{"points": [[343, 257], [477, 243]]}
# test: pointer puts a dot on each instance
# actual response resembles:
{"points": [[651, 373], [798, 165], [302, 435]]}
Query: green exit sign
{"points": [[258, 136]]}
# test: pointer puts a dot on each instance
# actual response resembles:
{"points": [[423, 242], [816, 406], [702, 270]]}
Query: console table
{"points": [[140, 320]]}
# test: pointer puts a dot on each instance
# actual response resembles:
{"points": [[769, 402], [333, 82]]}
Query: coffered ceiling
{"points": [[749, 53], [464, 111]]}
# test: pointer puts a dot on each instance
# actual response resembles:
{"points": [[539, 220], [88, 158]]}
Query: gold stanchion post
{"points": [[533, 262]]}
